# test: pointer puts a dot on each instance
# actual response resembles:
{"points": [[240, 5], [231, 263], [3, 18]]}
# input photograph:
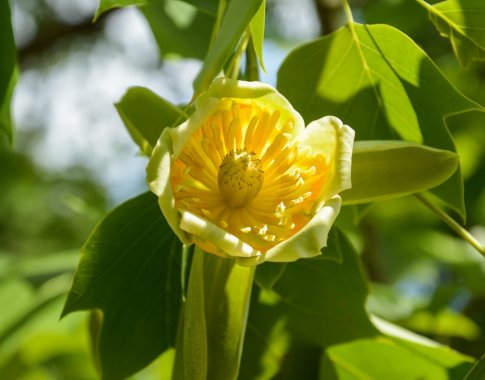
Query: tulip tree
{"points": [[237, 262]]}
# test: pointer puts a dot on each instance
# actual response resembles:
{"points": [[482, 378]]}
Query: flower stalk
{"points": [[211, 335]]}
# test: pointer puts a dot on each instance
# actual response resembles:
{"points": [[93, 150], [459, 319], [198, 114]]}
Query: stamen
{"points": [[248, 139], [278, 144]]}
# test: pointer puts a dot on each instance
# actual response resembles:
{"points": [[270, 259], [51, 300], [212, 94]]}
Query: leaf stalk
{"points": [[462, 232]]}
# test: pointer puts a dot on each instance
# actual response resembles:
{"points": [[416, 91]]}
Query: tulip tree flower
{"points": [[244, 178]]}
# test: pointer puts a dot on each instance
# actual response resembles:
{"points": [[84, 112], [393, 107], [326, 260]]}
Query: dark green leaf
{"points": [[383, 85], [237, 17], [478, 370], [317, 293], [462, 22], [179, 28], [386, 169], [268, 274], [145, 115], [8, 74], [312, 303], [105, 5], [208, 6], [130, 269]]}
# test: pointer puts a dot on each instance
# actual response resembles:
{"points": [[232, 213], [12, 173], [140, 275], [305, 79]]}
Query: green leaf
{"points": [[387, 169], [179, 28], [478, 370], [130, 269], [16, 297], [308, 297], [318, 303], [383, 85], [445, 322], [237, 17], [216, 310], [462, 22], [41, 266], [8, 74], [21, 305], [397, 359], [268, 274], [313, 303], [145, 115], [256, 26], [105, 5], [341, 289]]}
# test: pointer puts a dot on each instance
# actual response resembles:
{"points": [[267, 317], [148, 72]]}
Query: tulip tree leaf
{"points": [[236, 19], [297, 304], [130, 270], [145, 115], [383, 85], [317, 306], [179, 27], [341, 289], [105, 5], [462, 21], [387, 169], [8, 73]]}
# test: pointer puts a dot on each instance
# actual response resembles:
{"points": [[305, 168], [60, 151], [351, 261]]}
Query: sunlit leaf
{"points": [[393, 358], [42, 267], [130, 269], [383, 85], [462, 21], [21, 307], [17, 295], [8, 74], [145, 115], [179, 28], [237, 17], [386, 169], [105, 5], [443, 323]]}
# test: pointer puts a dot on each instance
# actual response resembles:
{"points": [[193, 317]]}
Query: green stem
{"points": [[252, 68], [348, 12], [221, 8], [235, 65], [452, 224], [424, 4]]}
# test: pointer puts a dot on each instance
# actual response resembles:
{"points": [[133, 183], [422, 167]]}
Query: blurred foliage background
{"points": [[73, 160]]}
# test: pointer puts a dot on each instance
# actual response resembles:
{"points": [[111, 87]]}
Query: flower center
{"points": [[240, 177]]}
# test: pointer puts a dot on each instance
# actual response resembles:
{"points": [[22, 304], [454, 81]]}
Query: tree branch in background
{"points": [[328, 14], [52, 31]]}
